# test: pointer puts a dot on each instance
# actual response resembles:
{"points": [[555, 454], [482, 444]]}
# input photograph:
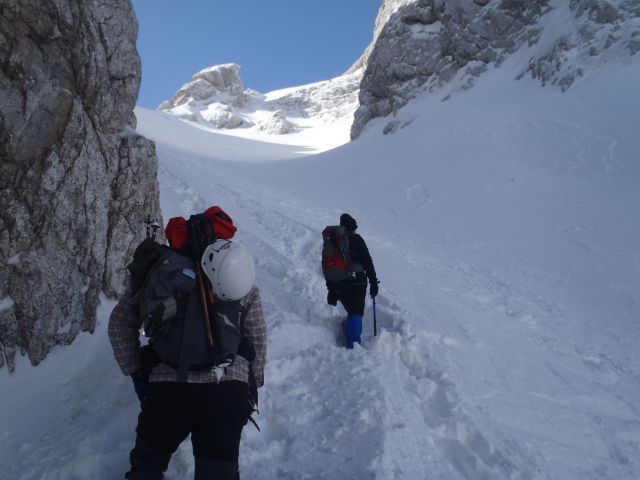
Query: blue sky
{"points": [[278, 43]]}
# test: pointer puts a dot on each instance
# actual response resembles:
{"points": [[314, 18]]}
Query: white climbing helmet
{"points": [[230, 269]]}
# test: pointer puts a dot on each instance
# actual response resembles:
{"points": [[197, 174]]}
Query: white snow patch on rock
{"points": [[6, 303]]}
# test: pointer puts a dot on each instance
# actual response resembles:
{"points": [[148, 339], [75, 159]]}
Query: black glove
{"points": [[149, 358], [332, 298], [373, 288]]}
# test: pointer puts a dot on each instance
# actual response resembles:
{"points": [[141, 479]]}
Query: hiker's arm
{"points": [[331, 291], [365, 258], [124, 334], [257, 333]]}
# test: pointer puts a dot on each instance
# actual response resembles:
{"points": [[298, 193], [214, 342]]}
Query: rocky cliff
{"points": [[76, 182], [420, 45]]}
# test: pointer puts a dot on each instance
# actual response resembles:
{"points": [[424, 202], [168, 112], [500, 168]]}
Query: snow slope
{"points": [[503, 225]]}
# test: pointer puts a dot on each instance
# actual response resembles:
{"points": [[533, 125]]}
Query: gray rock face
{"points": [[606, 35], [76, 182], [219, 80], [387, 9], [429, 41], [420, 45]]}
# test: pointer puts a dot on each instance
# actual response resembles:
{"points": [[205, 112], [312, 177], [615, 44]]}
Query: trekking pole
{"points": [[375, 323]]}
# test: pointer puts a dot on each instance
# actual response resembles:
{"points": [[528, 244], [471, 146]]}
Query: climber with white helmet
{"points": [[197, 302], [230, 269]]}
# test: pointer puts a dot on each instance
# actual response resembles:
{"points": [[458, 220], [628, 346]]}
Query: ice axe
{"points": [[152, 227]]}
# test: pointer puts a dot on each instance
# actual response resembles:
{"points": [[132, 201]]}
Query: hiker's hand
{"points": [[140, 384], [332, 298], [373, 288], [149, 358]]}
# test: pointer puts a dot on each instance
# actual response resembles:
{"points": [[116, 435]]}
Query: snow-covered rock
{"points": [[329, 100], [216, 98], [220, 116], [76, 181], [212, 97], [276, 123], [598, 34], [423, 44], [220, 81]]}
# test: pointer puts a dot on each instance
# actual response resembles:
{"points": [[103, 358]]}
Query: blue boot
{"points": [[353, 329]]}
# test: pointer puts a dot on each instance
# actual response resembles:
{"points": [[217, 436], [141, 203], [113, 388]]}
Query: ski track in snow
{"points": [[380, 411]]}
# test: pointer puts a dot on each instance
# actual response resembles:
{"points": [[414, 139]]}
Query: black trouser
{"points": [[352, 298], [213, 413]]}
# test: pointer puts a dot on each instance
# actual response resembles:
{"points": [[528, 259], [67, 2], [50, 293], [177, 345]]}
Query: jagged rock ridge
{"points": [[76, 181], [420, 45]]}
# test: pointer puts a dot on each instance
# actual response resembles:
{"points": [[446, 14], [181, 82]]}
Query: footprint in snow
{"points": [[418, 196]]}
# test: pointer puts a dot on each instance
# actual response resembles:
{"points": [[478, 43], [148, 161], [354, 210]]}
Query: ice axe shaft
{"points": [[205, 304], [375, 323], [203, 282]]}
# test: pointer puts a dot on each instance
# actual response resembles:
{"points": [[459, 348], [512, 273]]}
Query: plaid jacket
{"points": [[124, 334]]}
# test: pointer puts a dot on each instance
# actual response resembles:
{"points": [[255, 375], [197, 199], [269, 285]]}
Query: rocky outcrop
{"points": [[431, 40], [421, 45], [604, 34], [220, 83], [76, 182], [387, 9], [212, 97]]}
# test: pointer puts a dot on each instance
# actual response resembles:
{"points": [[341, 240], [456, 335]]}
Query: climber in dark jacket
{"points": [[352, 292]]}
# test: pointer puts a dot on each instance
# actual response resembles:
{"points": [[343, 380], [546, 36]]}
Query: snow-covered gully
{"points": [[385, 410], [509, 257]]}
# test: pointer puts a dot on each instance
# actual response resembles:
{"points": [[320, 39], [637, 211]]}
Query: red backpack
{"points": [[177, 231], [337, 264]]}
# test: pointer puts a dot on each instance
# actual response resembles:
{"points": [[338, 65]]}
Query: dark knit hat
{"points": [[348, 222]]}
